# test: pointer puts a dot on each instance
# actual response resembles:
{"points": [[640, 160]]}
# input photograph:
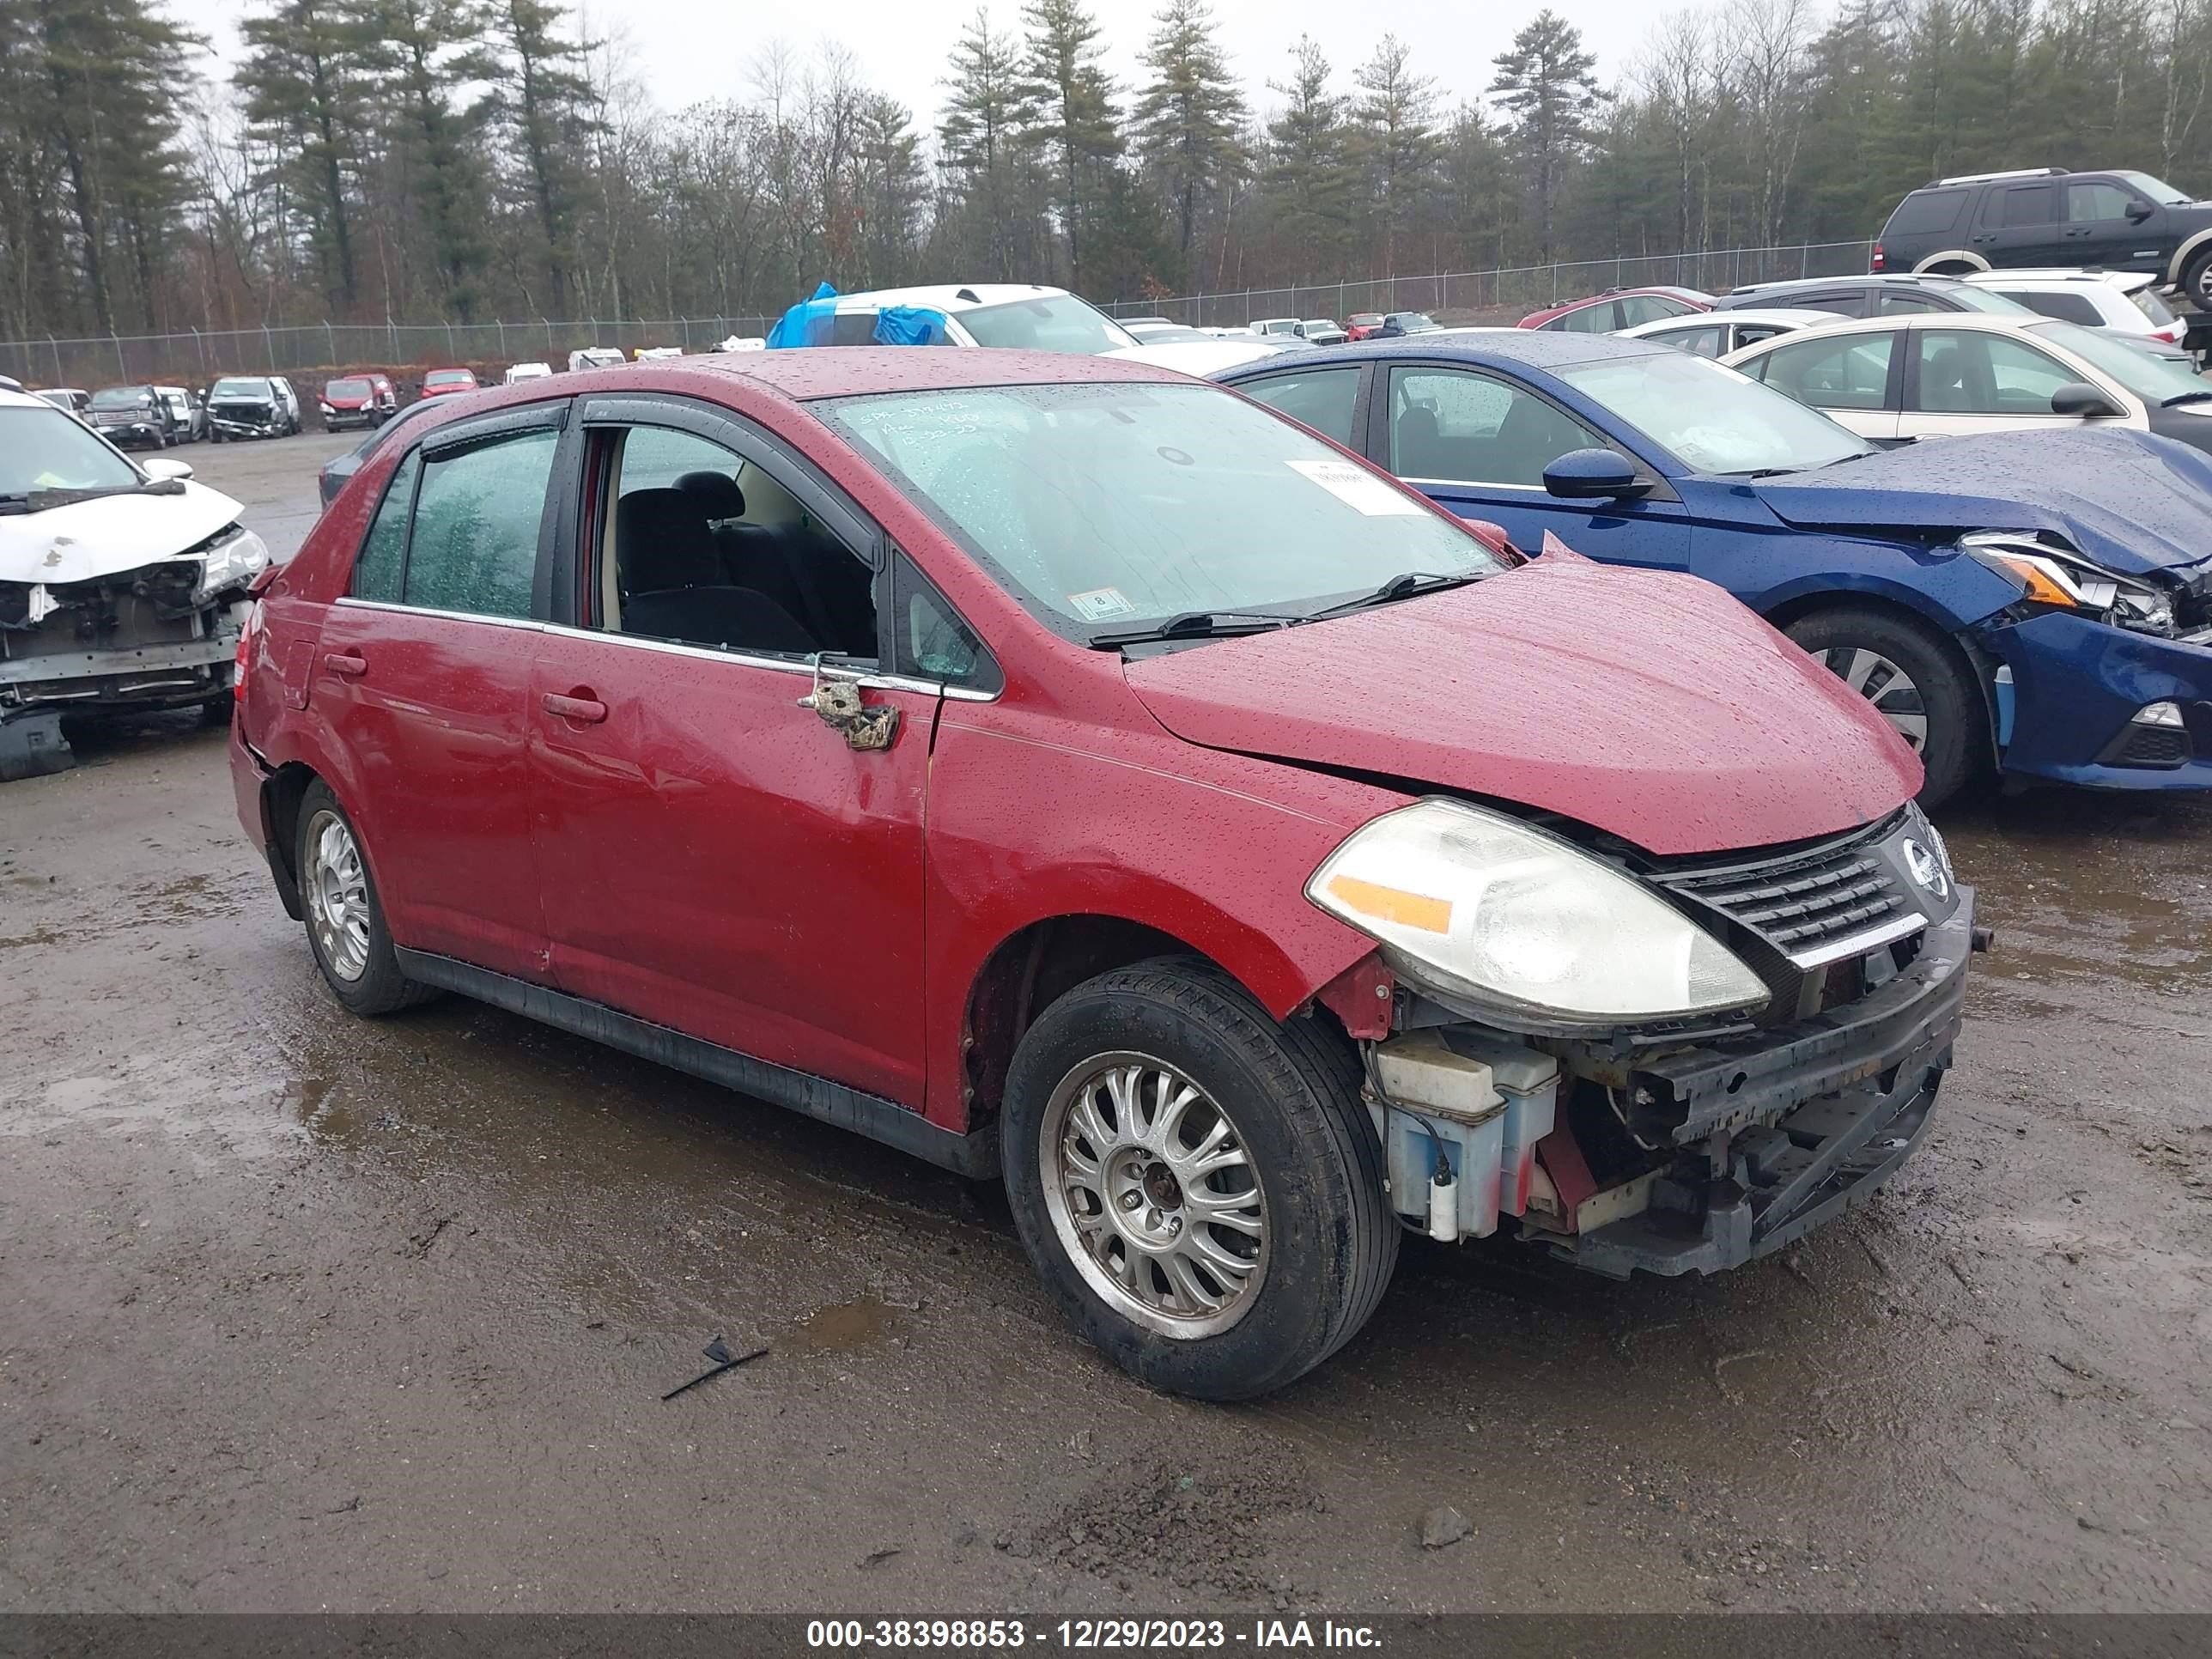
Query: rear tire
{"points": [[2196, 281], [1915, 680], [1268, 1243], [344, 918]]}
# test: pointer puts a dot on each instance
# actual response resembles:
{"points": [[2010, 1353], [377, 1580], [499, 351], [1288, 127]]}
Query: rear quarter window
{"points": [[474, 548], [1926, 213], [383, 552]]}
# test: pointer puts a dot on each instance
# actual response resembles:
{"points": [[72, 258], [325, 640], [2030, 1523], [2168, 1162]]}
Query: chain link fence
{"points": [[199, 356], [1517, 288]]}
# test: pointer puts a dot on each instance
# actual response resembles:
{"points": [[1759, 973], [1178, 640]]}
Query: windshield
{"points": [[240, 388], [1711, 418], [1051, 322], [346, 389], [1414, 322], [2147, 300], [1105, 507], [121, 397], [447, 377], [2155, 379], [46, 449], [2157, 189]]}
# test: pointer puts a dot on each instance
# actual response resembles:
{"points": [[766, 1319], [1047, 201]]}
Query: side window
{"points": [[701, 546], [1850, 304], [2092, 204], [1963, 372], [1906, 304], [2068, 307], [1852, 373], [1648, 309], [852, 328], [2028, 204], [475, 543], [1710, 341], [376, 572], [933, 642], [1590, 320], [1325, 400], [1752, 333], [1464, 428]]}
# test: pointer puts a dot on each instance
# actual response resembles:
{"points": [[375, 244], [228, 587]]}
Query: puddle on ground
{"points": [[842, 1328]]}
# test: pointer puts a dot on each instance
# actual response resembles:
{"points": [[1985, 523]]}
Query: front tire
{"points": [[2196, 281], [345, 919], [1200, 1188], [1914, 679]]}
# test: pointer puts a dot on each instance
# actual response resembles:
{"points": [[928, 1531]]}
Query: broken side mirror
{"points": [[838, 703]]}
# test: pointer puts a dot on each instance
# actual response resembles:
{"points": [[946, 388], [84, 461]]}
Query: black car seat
{"points": [[675, 585], [802, 570], [1943, 381], [1530, 438], [1418, 452]]}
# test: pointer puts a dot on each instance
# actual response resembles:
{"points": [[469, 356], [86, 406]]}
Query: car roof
{"points": [[24, 399], [1859, 279], [2126, 281], [1530, 347], [948, 297], [1985, 322], [1796, 316]]}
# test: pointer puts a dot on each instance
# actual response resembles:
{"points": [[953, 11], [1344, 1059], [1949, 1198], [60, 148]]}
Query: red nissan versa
{"points": [[1063, 769]]}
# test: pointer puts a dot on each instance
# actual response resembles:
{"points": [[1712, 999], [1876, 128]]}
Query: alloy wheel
{"points": [[337, 895], [1884, 685], [1153, 1195]]}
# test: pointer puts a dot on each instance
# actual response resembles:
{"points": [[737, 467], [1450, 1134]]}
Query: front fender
{"points": [[1946, 587], [1031, 820]]}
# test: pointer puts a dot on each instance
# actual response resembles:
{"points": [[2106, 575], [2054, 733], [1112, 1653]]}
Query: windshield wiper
{"points": [[38, 501], [1403, 585], [1199, 625], [2186, 397]]}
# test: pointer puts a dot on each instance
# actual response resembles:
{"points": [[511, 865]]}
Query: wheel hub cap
{"points": [[1153, 1195], [337, 895], [1887, 686]]}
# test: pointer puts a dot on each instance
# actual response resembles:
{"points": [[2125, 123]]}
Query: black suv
{"points": [[1868, 296], [2121, 221]]}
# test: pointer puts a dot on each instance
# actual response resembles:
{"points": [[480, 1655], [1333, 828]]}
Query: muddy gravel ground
{"points": [[301, 1311]]}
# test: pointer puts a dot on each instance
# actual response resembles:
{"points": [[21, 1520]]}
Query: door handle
{"points": [[584, 711], [345, 663]]}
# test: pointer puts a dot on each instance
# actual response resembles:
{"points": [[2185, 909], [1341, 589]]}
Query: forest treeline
{"points": [[459, 160]]}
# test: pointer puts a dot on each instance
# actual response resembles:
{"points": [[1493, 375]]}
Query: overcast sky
{"points": [[687, 50]]}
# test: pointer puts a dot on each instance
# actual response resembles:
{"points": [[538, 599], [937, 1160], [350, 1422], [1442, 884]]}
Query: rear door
{"points": [[1477, 444], [716, 858], [2020, 225], [1851, 378], [423, 678]]}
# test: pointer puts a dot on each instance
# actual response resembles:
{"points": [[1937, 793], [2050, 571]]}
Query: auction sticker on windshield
{"points": [[1355, 489], [1099, 603]]}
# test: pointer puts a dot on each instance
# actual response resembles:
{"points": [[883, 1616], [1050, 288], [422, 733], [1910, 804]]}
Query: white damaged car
{"points": [[122, 583]]}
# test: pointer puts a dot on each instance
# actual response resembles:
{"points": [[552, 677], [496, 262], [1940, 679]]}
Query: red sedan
{"points": [[445, 382], [1070, 772], [1619, 308]]}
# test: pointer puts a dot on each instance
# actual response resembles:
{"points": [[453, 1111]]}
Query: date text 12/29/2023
{"points": [[985, 1635]]}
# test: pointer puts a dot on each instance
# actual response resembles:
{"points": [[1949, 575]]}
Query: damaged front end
{"points": [[162, 633], [1674, 1142]]}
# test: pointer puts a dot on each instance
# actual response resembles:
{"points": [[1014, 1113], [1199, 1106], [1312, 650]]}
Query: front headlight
{"points": [[1485, 910], [328, 410], [233, 559], [2053, 576]]}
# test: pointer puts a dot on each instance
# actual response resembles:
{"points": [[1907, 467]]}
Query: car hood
{"points": [[109, 534], [1650, 705], [2131, 502]]}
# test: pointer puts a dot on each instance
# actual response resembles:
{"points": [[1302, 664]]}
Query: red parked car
{"points": [[1619, 308], [358, 400], [445, 382], [1067, 771], [1362, 325]]}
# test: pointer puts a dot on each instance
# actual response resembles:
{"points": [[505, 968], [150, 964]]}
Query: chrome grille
{"points": [[1804, 904]]}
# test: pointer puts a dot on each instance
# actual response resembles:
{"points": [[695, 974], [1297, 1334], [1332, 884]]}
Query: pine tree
{"points": [[1394, 140], [979, 141], [1188, 115], [892, 191], [1546, 83], [430, 51], [1072, 122], [302, 77], [546, 103], [1308, 180]]}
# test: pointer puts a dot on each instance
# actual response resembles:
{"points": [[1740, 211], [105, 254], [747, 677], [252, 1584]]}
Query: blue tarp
{"points": [[813, 322], [807, 323]]}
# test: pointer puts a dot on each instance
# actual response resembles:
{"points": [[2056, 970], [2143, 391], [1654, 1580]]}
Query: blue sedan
{"points": [[2040, 603]]}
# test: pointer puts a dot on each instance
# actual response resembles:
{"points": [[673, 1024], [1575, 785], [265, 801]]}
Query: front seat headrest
{"points": [[662, 541], [717, 492]]}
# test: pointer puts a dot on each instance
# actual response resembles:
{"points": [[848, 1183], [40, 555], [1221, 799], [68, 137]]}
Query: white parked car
{"points": [[1266, 325], [596, 357], [1025, 317], [2125, 301], [1716, 333], [519, 373], [1941, 373], [122, 583], [1323, 331], [657, 354]]}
